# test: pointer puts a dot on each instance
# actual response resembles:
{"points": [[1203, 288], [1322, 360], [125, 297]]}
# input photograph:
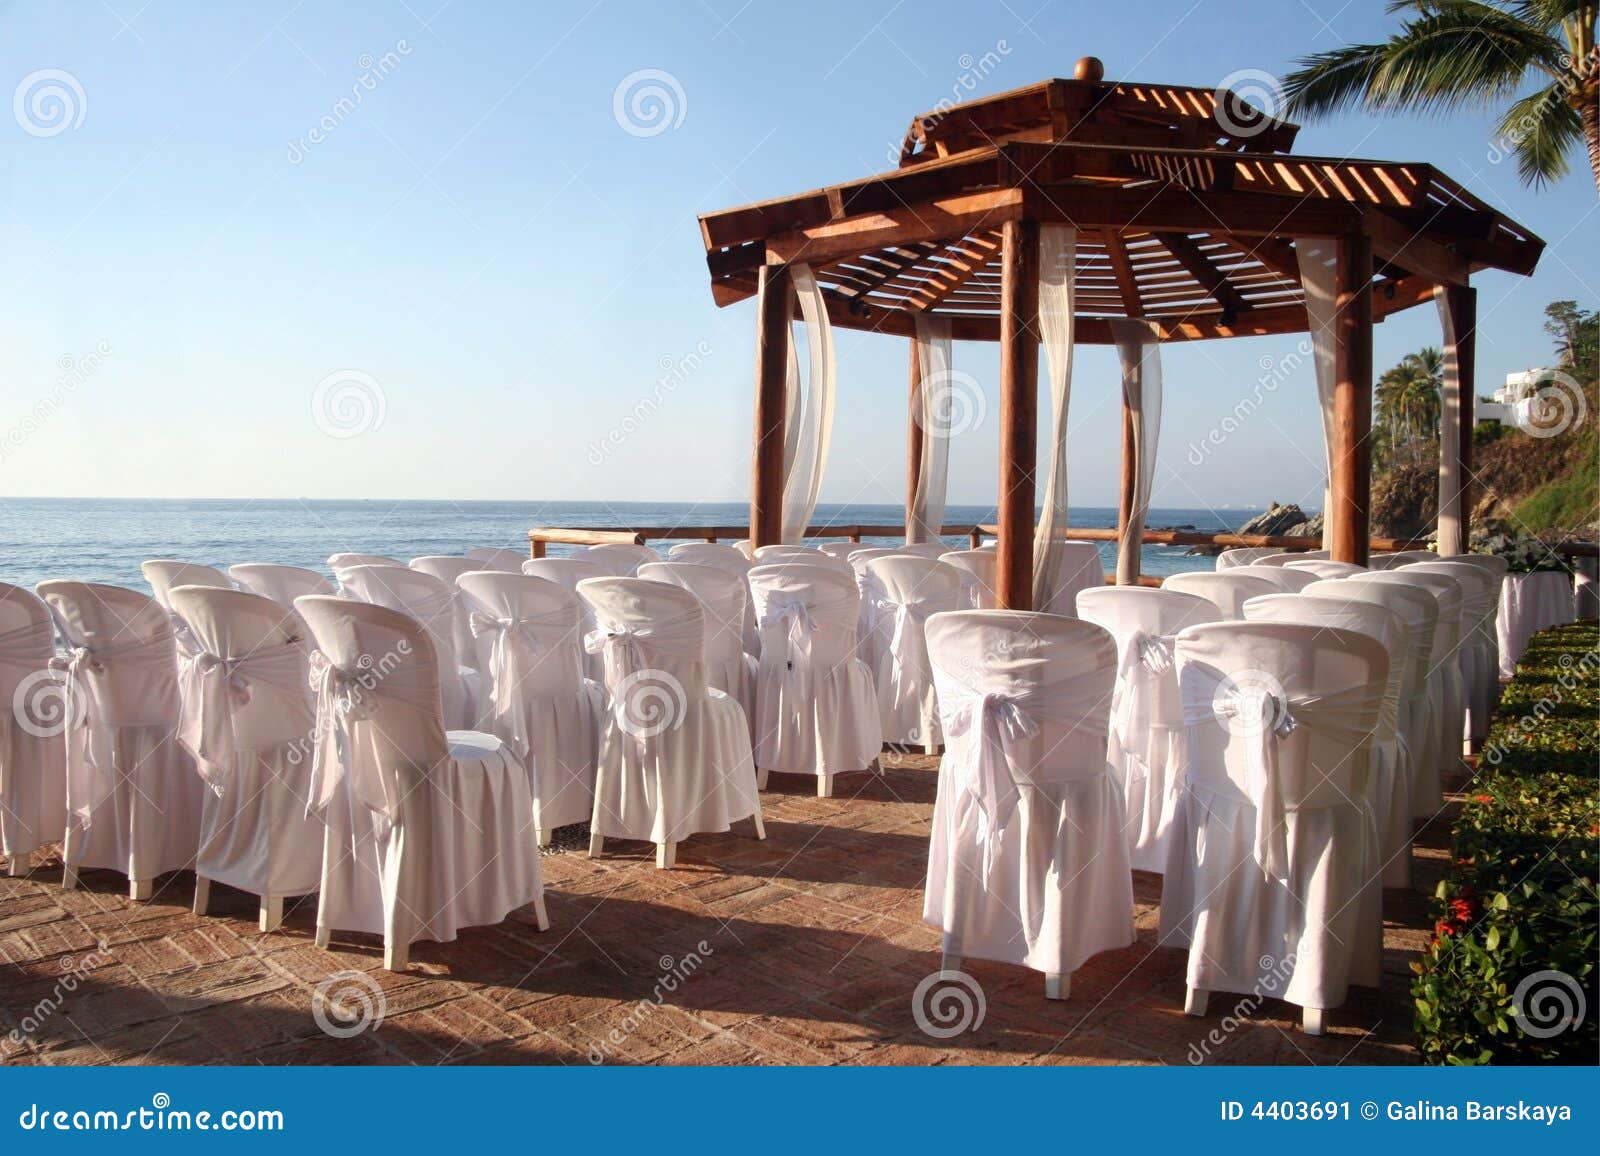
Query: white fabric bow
{"points": [[347, 698], [794, 615], [1146, 659], [1264, 718], [214, 687], [984, 770], [908, 664]]}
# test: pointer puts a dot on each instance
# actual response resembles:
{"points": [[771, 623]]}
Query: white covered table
{"points": [[1530, 603]]}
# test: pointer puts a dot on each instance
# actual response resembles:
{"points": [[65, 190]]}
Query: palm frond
{"points": [[1541, 130]]}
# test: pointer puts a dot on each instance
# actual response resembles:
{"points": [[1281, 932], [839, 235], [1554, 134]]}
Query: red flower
{"points": [[1444, 927], [1483, 798]]}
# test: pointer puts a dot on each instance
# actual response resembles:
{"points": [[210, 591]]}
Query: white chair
{"points": [[730, 561], [337, 562], [1497, 567], [163, 575], [1082, 568], [1400, 558], [434, 606], [840, 548], [1284, 557], [934, 549], [1419, 610], [540, 704], [497, 558], [1389, 772], [1324, 568], [799, 555], [34, 710], [567, 573], [816, 709], [675, 756], [447, 569], [909, 589], [427, 831], [133, 797], [1480, 660], [1145, 749], [869, 642], [620, 559], [728, 668], [1244, 556], [1273, 883], [977, 570], [1287, 580], [1027, 863], [282, 584], [248, 718], [1224, 589], [744, 547]]}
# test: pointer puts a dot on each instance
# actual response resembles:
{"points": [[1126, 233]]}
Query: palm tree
{"points": [[1453, 53], [1406, 404]]}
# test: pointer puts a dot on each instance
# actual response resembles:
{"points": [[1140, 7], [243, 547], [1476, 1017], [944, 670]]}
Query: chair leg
{"points": [[540, 913], [546, 836], [824, 786], [324, 936], [140, 890], [1194, 1001], [69, 877], [271, 912], [1057, 986], [21, 866], [930, 748], [397, 956], [761, 828], [666, 856], [202, 894], [597, 844], [761, 779], [1311, 1021]]}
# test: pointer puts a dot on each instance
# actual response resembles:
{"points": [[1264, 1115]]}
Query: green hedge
{"points": [[1520, 898]]}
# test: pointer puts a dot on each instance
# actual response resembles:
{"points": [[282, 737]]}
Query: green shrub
{"points": [[1520, 897]]}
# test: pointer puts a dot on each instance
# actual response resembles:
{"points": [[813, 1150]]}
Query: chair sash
{"points": [[653, 670], [1263, 719], [1146, 659], [516, 647], [212, 687], [909, 621], [794, 615]]}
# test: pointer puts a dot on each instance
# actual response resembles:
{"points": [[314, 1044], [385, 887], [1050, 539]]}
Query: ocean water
{"points": [[105, 540]]}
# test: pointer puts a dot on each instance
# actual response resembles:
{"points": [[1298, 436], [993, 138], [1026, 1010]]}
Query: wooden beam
{"points": [[960, 270], [1122, 267], [1350, 482], [1397, 243], [1200, 267], [913, 437], [772, 371], [1183, 211], [1019, 404], [940, 220], [1456, 405]]}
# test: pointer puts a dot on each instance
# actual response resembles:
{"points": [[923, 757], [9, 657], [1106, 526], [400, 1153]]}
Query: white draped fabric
{"points": [[33, 709], [1454, 411], [1058, 247], [1078, 568], [1274, 865], [1530, 603], [1318, 258], [909, 589], [540, 704], [1282, 578], [427, 831], [1027, 863], [1244, 556], [925, 519], [133, 796], [675, 756], [724, 596], [816, 709], [1227, 590], [1146, 742], [809, 427], [1139, 349], [248, 720], [1324, 568], [163, 575]]}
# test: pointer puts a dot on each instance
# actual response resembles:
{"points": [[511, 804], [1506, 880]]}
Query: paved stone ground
{"points": [[803, 949]]}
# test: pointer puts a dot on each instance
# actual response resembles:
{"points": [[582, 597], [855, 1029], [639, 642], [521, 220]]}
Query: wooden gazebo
{"points": [[1186, 203]]}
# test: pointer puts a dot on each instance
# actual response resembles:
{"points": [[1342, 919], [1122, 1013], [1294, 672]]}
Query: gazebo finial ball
{"points": [[1090, 68]]}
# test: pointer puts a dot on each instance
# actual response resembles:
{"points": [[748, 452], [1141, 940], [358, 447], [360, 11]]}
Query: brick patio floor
{"points": [[813, 947]]}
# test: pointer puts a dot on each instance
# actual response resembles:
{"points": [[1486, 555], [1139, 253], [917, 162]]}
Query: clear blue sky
{"points": [[482, 238]]}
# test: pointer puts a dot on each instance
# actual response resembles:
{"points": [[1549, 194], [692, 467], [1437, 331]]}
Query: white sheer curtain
{"points": [[1058, 246], [1453, 410], [809, 411], [1139, 347], [933, 418], [1319, 278]]}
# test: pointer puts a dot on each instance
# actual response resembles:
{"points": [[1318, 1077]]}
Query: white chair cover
{"points": [[840, 548], [803, 555], [133, 797], [337, 562], [1081, 569], [869, 640], [977, 570], [1244, 556], [1027, 863], [163, 575], [1275, 850], [1389, 775], [728, 668], [428, 831], [1324, 568], [1285, 579], [567, 573], [540, 704], [282, 584], [936, 549], [1145, 748], [1480, 660], [620, 559], [497, 558], [434, 606], [248, 721], [468, 650], [34, 710], [729, 560], [1224, 589], [816, 709], [1400, 558], [909, 589], [1283, 558], [675, 755], [1498, 569]]}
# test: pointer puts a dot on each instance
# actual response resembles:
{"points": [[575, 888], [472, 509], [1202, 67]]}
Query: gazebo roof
{"points": [[1186, 202]]}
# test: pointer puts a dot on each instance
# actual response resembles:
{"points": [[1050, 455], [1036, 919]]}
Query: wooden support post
{"points": [[913, 438], [1019, 406], [1350, 484], [1125, 502], [772, 370], [1457, 404], [536, 548]]}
